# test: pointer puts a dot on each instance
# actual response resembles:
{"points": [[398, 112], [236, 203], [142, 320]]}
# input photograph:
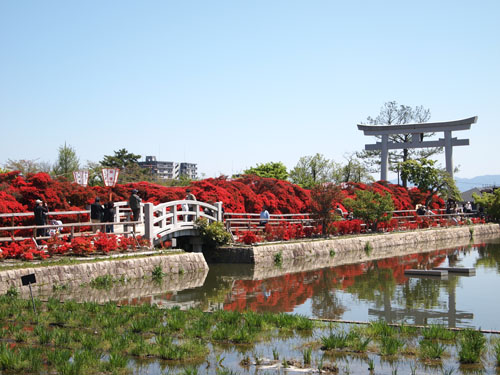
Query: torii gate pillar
{"points": [[417, 131]]}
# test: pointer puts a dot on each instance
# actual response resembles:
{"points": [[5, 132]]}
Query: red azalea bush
{"points": [[244, 195], [248, 238]]}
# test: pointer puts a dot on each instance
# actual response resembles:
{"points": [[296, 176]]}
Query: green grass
{"points": [[334, 340], [88, 338], [102, 282], [278, 259], [368, 248], [438, 332], [471, 345], [380, 328], [496, 349], [158, 273], [431, 349], [390, 345]]}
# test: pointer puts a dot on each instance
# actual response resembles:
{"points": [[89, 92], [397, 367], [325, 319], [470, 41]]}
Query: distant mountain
{"points": [[465, 184]]}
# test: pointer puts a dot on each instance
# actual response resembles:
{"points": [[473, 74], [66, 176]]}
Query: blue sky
{"points": [[229, 84]]}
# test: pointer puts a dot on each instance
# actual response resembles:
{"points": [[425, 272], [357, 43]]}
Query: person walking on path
{"points": [[135, 205], [190, 197], [264, 216], [109, 216], [96, 214], [41, 212]]}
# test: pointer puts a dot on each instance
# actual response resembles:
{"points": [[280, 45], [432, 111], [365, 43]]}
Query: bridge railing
{"points": [[73, 223], [166, 218], [237, 222], [401, 220]]}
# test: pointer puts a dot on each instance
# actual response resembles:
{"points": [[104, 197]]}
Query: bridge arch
{"points": [[177, 218]]}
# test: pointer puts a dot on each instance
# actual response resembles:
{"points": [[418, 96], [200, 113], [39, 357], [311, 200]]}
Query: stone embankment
{"points": [[352, 249], [129, 269]]}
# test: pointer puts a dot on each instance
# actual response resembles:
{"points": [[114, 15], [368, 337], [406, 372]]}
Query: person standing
{"points": [[109, 216], [264, 216], [135, 205], [41, 212], [96, 213], [190, 197]]}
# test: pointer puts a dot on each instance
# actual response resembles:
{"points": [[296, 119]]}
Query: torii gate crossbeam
{"points": [[417, 131]]}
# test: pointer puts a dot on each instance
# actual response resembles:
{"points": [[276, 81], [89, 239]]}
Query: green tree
{"points": [[370, 207], [491, 203], [393, 113], [313, 170], [127, 162], [95, 173], [323, 197], [427, 177], [121, 159], [67, 162], [275, 170], [355, 171]]}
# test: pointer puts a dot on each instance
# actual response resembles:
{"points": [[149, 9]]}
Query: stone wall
{"points": [[77, 274], [352, 248]]}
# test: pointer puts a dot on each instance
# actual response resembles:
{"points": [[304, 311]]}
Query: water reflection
{"points": [[334, 288]]}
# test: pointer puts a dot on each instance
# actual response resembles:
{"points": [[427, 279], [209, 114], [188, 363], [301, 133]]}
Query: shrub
{"points": [[213, 234]]}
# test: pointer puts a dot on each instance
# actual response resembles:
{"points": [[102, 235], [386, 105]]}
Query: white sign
{"points": [[110, 176], [81, 177]]}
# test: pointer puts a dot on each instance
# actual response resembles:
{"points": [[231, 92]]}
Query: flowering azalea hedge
{"points": [[248, 194], [102, 243]]}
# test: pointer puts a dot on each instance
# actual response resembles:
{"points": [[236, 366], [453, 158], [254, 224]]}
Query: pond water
{"points": [[365, 291], [369, 290]]}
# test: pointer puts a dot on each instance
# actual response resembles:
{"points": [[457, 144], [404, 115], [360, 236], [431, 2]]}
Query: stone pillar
{"points": [[148, 221], [448, 150], [384, 158]]}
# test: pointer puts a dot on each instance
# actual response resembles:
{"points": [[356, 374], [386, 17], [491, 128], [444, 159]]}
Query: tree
{"points": [[323, 197], [127, 162], [370, 207], [95, 173], [393, 113], [429, 178], [313, 170], [491, 203], [355, 171], [67, 162], [26, 166], [121, 159], [275, 170]]}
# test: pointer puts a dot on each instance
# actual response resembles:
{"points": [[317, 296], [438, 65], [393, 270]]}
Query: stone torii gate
{"points": [[417, 131]]}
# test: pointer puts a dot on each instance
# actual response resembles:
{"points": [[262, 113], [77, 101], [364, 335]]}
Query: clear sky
{"points": [[229, 84]]}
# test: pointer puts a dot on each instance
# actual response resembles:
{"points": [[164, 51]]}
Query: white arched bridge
{"points": [[177, 219]]}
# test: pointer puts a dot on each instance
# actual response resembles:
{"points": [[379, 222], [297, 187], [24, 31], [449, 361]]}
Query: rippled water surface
{"points": [[372, 290]]}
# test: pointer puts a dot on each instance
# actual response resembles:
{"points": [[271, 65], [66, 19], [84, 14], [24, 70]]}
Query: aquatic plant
{"points": [[307, 354], [276, 354], [380, 328], [335, 341], [430, 349], [390, 345], [371, 365], [471, 345], [438, 332], [496, 348], [102, 282]]}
